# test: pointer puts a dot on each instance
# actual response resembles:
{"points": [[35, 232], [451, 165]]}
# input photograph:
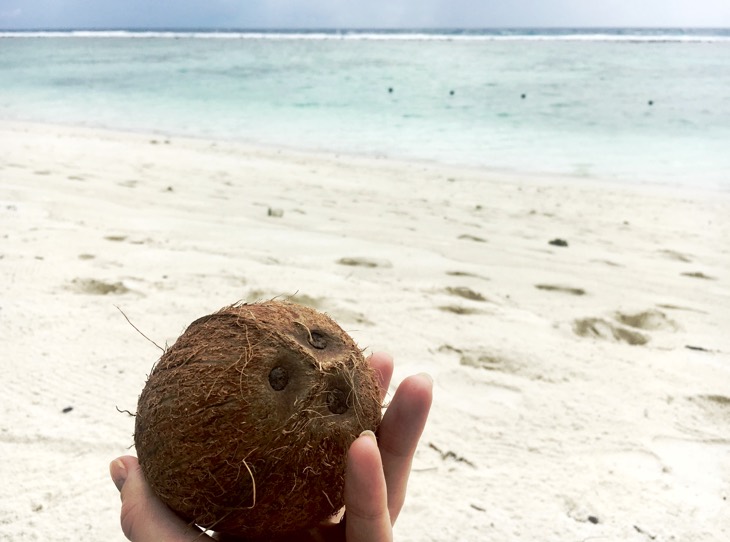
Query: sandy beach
{"points": [[576, 330]]}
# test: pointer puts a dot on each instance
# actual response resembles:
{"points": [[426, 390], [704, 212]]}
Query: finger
{"points": [[144, 517], [399, 433], [382, 363], [366, 497]]}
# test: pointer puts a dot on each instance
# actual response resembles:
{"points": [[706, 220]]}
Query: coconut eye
{"points": [[337, 401], [278, 378], [318, 340]]}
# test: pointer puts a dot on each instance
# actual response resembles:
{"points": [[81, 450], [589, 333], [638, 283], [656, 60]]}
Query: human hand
{"points": [[375, 480]]}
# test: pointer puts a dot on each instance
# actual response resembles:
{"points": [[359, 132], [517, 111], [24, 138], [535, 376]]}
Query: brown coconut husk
{"points": [[244, 424]]}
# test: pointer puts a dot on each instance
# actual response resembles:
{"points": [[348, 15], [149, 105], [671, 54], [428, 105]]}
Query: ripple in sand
{"points": [[466, 293], [465, 274], [698, 275], [364, 262], [456, 309], [717, 399], [674, 255], [468, 237], [561, 289], [679, 308]]}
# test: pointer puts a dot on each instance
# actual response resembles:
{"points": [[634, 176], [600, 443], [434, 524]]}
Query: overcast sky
{"points": [[24, 14]]}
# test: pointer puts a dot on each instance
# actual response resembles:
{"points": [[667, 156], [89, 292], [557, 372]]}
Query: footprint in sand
{"points": [[651, 320], [487, 361], [98, 287], [464, 293], [623, 329], [603, 329]]}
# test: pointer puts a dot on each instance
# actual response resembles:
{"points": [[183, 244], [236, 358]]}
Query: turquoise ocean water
{"points": [[622, 105]]}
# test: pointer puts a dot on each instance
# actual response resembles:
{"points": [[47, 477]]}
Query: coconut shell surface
{"points": [[244, 423]]}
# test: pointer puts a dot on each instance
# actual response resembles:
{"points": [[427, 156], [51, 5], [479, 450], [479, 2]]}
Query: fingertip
{"points": [[369, 434], [381, 356], [427, 377], [419, 389], [118, 472], [363, 451], [382, 362]]}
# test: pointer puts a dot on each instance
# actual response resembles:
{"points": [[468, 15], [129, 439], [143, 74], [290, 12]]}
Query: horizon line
{"points": [[348, 28]]}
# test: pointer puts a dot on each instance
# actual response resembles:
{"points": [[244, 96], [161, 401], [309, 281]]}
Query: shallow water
{"points": [[630, 106]]}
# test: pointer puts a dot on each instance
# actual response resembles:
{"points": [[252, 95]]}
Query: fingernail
{"points": [[426, 375], [119, 473], [369, 434]]}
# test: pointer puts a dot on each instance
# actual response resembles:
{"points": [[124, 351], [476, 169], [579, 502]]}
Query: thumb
{"points": [[144, 517]]}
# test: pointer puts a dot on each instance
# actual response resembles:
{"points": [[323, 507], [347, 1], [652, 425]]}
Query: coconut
{"points": [[244, 424]]}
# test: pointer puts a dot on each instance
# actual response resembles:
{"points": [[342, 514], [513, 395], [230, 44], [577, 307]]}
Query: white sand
{"points": [[535, 428]]}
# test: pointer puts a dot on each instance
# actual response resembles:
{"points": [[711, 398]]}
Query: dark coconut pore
{"points": [[244, 424]]}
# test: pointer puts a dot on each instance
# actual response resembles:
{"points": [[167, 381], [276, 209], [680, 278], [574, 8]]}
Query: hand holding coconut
{"points": [[249, 426]]}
